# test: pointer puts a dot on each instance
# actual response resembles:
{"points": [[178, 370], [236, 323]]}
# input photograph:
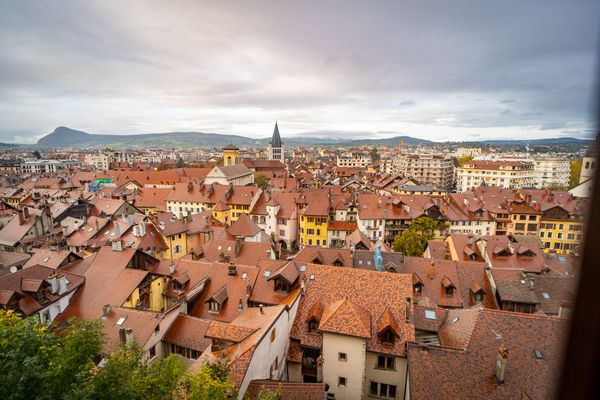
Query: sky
{"points": [[440, 70]]}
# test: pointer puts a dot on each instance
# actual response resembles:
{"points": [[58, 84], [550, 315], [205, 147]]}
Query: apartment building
{"points": [[101, 161], [433, 169], [353, 160], [505, 174], [552, 172]]}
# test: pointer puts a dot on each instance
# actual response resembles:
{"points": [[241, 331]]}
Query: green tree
{"points": [[413, 240], [37, 154], [212, 382], [180, 163], [37, 362], [261, 181], [462, 160], [575, 172], [126, 376], [374, 154]]}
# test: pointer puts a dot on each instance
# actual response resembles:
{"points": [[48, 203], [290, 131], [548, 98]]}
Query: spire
{"points": [[276, 139]]}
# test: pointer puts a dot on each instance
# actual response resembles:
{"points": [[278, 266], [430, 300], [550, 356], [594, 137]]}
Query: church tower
{"points": [[275, 149], [231, 155]]}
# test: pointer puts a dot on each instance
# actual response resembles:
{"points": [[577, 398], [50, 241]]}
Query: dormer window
{"points": [[313, 325], [417, 287], [448, 286], [387, 337], [213, 307], [449, 291], [281, 286], [478, 296]]}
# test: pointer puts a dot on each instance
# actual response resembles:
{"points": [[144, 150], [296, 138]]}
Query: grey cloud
{"points": [[130, 66]]}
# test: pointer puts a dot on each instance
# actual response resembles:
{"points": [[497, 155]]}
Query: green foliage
{"points": [[180, 163], [261, 181], [575, 172], [266, 394], [212, 382], [39, 363], [125, 376], [374, 154], [413, 240], [37, 155], [462, 160]]}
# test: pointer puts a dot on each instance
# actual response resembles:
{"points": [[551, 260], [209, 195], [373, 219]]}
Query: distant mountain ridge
{"points": [[63, 137]]}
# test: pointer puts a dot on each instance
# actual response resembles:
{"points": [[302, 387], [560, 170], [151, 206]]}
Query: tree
{"points": [[212, 382], [37, 362], [462, 160], [413, 240], [266, 394], [261, 181], [180, 163], [374, 154], [575, 172], [410, 242], [126, 376], [37, 155]]}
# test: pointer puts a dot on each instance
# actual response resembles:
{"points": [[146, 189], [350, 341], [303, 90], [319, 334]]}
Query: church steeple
{"points": [[276, 139], [275, 150]]}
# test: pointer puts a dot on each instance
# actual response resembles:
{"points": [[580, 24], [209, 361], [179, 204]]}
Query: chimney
{"points": [[21, 217], [531, 284], [172, 267], [260, 307], [240, 305], [106, 311], [431, 271], [501, 359], [97, 225], [129, 335], [64, 231], [238, 246], [407, 309], [53, 281], [62, 284], [122, 336], [232, 270], [117, 245], [248, 290]]}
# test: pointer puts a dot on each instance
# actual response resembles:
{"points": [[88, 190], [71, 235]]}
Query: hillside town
{"points": [[322, 272]]}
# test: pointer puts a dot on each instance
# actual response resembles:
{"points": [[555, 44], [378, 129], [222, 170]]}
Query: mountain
{"points": [[67, 137], [563, 140]]}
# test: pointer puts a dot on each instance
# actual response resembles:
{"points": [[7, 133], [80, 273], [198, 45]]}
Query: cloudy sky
{"points": [[441, 70]]}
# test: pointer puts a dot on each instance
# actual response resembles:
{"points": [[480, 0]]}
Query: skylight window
{"points": [[538, 355], [244, 275], [312, 277], [455, 320], [303, 268], [430, 314], [46, 259], [546, 295], [121, 321], [220, 248], [267, 273]]}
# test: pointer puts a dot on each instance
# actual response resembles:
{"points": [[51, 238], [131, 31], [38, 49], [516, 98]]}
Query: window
{"points": [[430, 314], [383, 390], [449, 291], [282, 232], [313, 325], [152, 351], [479, 296], [384, 362], [388, 337], [342, 357], [341, 381], [213, 306]]}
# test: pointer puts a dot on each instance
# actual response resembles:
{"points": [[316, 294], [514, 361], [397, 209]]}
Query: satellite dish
{"points": [[13, 269]]}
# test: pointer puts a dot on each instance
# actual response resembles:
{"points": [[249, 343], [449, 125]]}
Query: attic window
{"points": [[244, 275], [417, 287], [213, 306], [449, 291], [430, 314], [267, 273], [313, 325], [546, 295], [46, 260], [538, 355], [121, 321], [387, 337], [303, 268], [312, 277], [220, 248], [455, 320]]}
